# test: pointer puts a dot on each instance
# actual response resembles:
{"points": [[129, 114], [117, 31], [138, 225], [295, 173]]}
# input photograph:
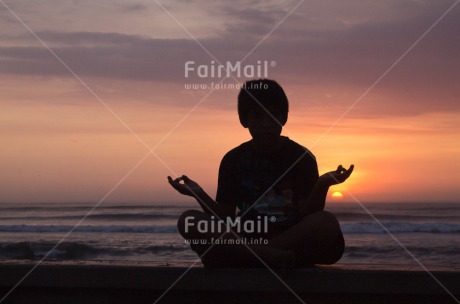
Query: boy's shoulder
{"points": [[298, 149], [289, 148], [235, 152]]}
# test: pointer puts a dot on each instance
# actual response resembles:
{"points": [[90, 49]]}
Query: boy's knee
{"points": [[333, 253], [328, 218], [325, 225], [328, 244]]}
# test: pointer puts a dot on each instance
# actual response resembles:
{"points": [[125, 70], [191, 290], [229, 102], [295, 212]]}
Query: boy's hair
{"points": [[265, 92]]}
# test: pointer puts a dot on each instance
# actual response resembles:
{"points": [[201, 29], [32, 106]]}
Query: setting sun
{"points": [[337, 195]]}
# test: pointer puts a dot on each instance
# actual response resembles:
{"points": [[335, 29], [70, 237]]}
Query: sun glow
{"points": [[337, 195]]}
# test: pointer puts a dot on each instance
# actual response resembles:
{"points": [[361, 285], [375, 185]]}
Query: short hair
{"points": [[265, 92]]}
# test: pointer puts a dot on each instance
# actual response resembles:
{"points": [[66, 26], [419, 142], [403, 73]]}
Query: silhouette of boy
{"points": [[275, 185]]}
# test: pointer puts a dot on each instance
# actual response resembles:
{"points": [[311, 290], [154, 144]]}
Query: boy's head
{"points": [[262, 95], [263, 109]]}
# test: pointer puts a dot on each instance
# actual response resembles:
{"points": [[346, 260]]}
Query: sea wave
{"points": [[358, 216], [347, 228], [75, 250], [399, 227], [88, 228], [104, 217]]}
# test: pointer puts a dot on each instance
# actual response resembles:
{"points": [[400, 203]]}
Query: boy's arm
{"points": [[191, 188], [214, 208], [317, 199]]}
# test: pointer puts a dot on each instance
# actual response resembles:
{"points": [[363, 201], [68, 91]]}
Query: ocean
{"points": [[399, 233]]}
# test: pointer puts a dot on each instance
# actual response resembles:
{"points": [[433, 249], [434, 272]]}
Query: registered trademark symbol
{"points": [[272, 218], [273, 63]]}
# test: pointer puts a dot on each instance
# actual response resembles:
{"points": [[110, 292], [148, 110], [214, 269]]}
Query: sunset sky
{"points": [[88, 87]]}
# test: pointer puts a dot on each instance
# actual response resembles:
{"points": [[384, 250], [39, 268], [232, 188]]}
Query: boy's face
{"points": [[263, 127]]}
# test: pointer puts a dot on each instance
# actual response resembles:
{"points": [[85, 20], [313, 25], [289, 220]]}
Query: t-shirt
{"points": [[274, 182]]}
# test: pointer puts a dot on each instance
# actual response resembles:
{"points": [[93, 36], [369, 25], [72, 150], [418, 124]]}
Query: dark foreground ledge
{"points": [[106, 282]]}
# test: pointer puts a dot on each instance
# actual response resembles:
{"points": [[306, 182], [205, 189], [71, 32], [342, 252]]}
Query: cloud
{"points": [[102, 55], [135, 7], [350, 51]]}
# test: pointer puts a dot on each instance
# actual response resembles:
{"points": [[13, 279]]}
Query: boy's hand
{"points": [[189, 187], [336, 177]]}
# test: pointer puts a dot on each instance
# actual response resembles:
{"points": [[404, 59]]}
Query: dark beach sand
{"points": [[128, 282]]}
